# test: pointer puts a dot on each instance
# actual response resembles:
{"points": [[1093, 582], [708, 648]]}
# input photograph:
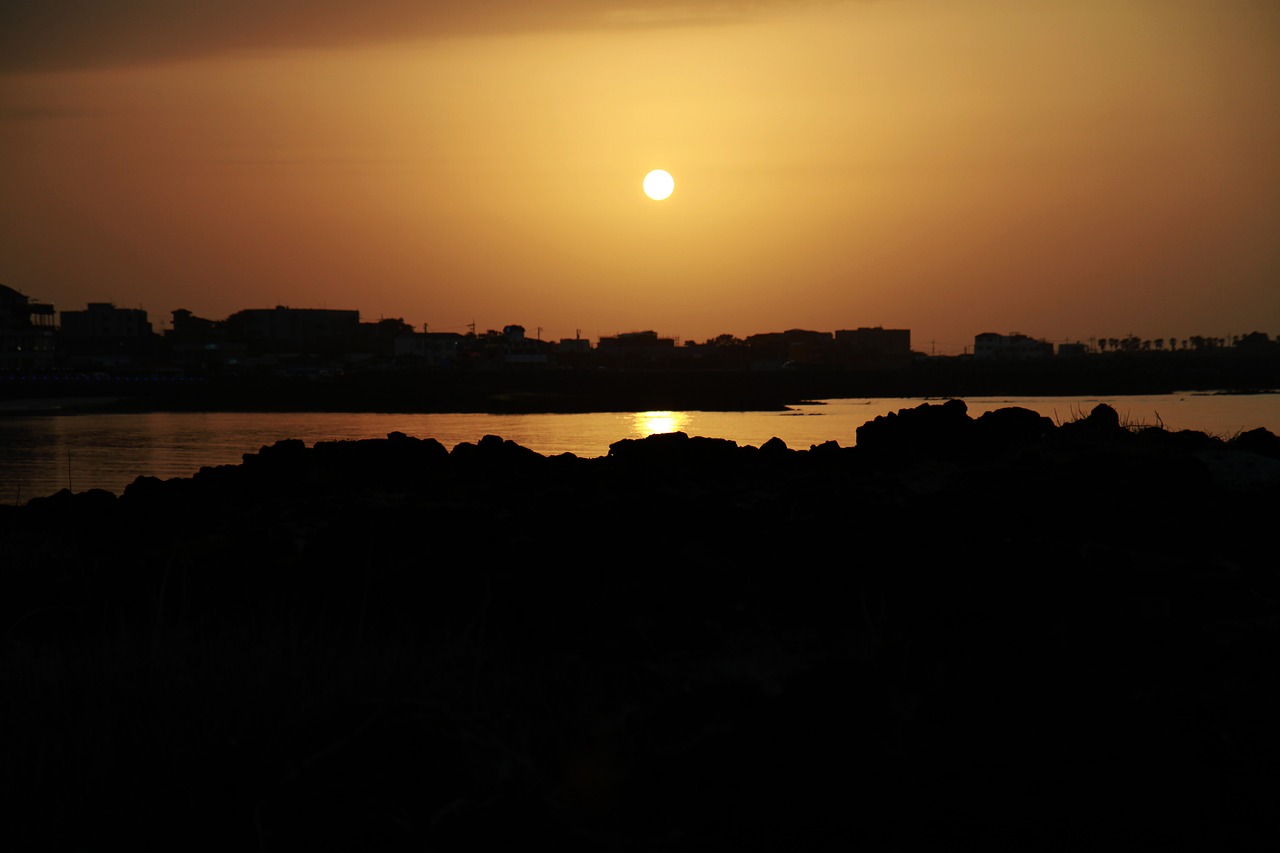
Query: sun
{"points": [[659, 184]]}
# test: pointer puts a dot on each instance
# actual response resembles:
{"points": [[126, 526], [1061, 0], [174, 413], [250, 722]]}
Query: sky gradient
{"points": [[1063, 169]]}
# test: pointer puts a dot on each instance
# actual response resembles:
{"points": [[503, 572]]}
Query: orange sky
{"points": [[1065, 168]]}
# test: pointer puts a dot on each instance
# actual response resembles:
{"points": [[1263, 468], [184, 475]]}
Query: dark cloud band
{"points": [[62, 34]]}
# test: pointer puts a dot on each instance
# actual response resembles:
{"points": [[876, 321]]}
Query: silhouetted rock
{"points": [[826, 451], [654, 447], [675, 448], [929, 429], [1011, 426], [1181, 441], [1259, 441], [775, 448], [1102, 424], [497, 450], [73, 507]]}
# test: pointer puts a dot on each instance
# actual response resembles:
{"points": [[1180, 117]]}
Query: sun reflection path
{"points": [[657, 423]]}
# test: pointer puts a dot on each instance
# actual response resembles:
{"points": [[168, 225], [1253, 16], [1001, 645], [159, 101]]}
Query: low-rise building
{"points": [[284, 329], [875, 347], [432, 349], [103, 320], [26, 332], [103, 335], [1073, 350], [639, 346], [196, 343], [1016, 346], [573, 346], [792, 347]]}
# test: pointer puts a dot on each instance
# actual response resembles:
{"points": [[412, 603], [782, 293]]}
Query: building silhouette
{"points": [[635, 346], [27, 332], [284, 329], [874, 347], [103, 335], [1015, 346]]}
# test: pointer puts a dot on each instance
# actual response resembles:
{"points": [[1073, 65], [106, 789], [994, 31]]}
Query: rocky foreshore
{"points": [[994, 632]]}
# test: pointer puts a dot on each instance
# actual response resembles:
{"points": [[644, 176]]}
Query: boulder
{"points": [[1011, 426], [1101, 425], [1259, 441], [929, 429]]}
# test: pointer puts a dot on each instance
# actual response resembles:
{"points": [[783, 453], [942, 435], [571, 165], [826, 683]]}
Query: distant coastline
{"points": [[535, 390]]}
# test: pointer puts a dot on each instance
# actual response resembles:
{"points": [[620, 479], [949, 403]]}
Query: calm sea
{"points": [[40, 454]]}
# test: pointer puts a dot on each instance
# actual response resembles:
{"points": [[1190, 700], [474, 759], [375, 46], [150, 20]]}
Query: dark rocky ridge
{"points": [[991, 631]]}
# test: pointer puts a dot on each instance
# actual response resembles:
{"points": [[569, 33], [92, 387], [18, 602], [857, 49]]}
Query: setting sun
{"points": [[942, 166], [658, 184]]}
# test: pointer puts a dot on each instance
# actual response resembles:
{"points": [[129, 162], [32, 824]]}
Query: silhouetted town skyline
{"points": [[103, 336]]}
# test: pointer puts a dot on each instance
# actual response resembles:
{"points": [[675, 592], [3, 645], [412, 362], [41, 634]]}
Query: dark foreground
{"points": [[991, 633]]}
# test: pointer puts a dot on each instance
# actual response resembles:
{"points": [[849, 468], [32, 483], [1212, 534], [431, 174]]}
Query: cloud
{"points": [[64, 34]]}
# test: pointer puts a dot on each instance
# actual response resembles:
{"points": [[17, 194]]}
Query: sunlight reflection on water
{"points": [[40, 454], [658, 423]]}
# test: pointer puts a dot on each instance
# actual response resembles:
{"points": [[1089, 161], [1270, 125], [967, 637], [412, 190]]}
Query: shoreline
{"points": [[549, 391]]}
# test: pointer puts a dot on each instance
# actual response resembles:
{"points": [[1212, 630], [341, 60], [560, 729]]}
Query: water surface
{"points": [[40, 454]]}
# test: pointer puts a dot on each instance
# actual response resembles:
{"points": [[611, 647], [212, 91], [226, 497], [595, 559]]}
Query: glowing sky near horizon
{"points": [[1063, 169]]}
